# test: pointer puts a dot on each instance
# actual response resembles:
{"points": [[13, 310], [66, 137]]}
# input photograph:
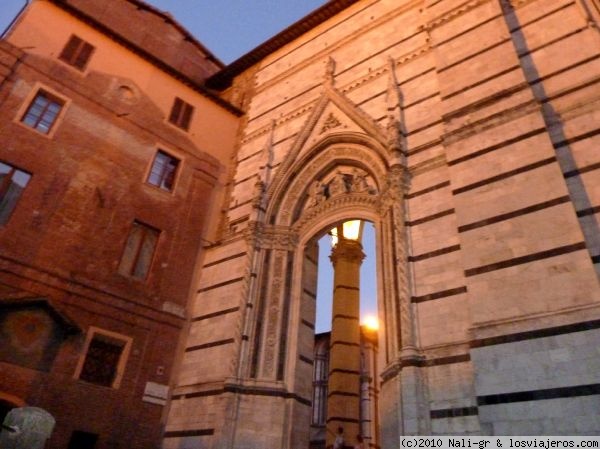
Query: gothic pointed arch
{"points": [[356, 158], [335, 119]]}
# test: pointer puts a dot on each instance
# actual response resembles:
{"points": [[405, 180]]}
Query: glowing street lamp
{"points": [[371, 323], [349, 230]]}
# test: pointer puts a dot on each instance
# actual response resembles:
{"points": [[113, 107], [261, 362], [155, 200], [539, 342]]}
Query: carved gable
{"points": [[332, 114]]}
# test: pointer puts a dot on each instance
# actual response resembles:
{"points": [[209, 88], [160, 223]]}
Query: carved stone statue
{"points": [[316, 193], [337, 186], [359, 182], [329, 71]]}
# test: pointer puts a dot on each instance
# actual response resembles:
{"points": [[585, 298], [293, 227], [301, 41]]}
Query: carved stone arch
{"points": [[347, 207], [352, 149]]}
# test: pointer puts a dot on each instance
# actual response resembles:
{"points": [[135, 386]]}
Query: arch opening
{"points": [[317, 268]]}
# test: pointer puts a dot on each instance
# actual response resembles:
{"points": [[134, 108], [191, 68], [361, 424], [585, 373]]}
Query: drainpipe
{"points": [[13, 21]]}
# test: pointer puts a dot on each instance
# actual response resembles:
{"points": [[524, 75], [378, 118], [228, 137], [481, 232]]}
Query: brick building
{"points": [[113, 156], [149, 226]]}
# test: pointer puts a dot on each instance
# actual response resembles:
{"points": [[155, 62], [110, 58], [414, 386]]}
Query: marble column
{"points": [[343, 402]]}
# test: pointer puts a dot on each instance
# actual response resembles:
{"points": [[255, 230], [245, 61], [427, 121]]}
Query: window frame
{"points": [[131, 272], [149, 171], [24, 109], [121, 364], [5, 186], [183, 117], [80, 46]]}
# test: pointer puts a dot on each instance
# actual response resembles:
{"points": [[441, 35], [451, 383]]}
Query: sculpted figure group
{"points": [[341, 183]]}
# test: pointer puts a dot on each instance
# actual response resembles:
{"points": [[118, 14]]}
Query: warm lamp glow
{"points": [[371, 323], [351, 230]]}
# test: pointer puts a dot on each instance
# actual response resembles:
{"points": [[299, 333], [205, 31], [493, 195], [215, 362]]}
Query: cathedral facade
{"points": [[467, 132]]}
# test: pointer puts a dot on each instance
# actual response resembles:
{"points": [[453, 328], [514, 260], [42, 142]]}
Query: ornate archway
{"points": [[341, 177]]}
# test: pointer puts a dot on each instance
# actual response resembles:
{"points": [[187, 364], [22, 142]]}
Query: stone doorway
{"points": [[340, 179]]}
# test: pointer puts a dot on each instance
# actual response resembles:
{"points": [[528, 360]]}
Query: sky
{"points": [[229, 29], [368, 283]]}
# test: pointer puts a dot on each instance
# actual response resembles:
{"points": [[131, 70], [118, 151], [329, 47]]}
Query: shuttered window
{"points": [[139, 250], [12, 184], [77, 52], [163, 171], [181, 114]]}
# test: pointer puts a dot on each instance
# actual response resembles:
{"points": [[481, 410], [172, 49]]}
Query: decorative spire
{"points": [[330, 71], [263, 177], [267, 157], [394, 110]]}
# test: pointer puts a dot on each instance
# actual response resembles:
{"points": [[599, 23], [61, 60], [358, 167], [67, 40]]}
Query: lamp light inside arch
{"points": [[371, 323]]}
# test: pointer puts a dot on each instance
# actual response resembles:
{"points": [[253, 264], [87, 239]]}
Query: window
{"points": [[82, 440], [77, 52], [139, 250], [164, 169], [101, 361], [104, 358], [181, 113], [42, 112], [12, 183], [320, 379]]}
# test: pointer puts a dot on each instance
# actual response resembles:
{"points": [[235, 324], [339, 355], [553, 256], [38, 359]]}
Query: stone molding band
{"points": [[238, 389], [226, 259], [525, 259], [221, 284], [189, 433], [537, 333], [514, 214], [210, 345], [429, 218], [344, 317], [216, 314], [440, 294], [342, 393], [538, 395], [343, 371], [433, 188], [505, 175], [454, 412], [342, 419]]}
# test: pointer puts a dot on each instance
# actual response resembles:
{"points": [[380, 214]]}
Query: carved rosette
{"points": [[331, 122]]}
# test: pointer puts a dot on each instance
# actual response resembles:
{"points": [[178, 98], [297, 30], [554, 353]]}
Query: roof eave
{"points": [[223, 78]]}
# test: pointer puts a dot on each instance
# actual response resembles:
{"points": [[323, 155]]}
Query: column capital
{"points": [[348, 250]]}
